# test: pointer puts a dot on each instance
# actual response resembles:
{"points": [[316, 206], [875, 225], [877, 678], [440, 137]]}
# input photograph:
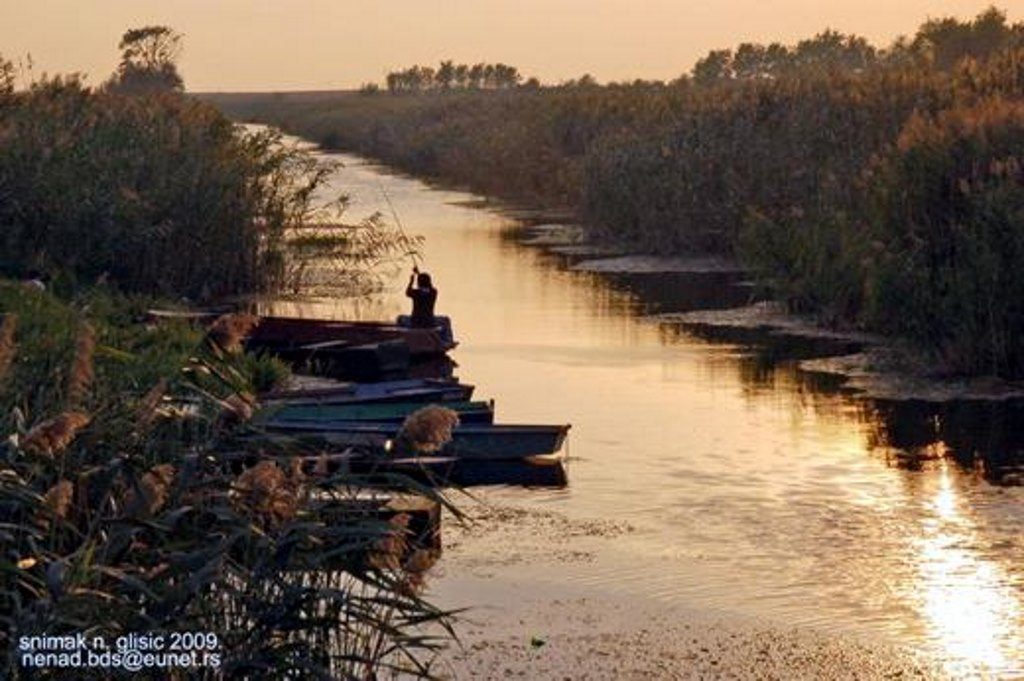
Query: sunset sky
{"points": [[324, 44]]}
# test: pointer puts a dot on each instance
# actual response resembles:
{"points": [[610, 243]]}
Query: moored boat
{"points": [[342, 360], [476, 442], [437, 471], [288, 334], [407, 390], [377, 412]]}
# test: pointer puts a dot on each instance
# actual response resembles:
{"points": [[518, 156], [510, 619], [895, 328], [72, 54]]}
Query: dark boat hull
{"points": [[380, 469], [379, 412], [470, 442], [368, 362], [279, 334], [409, 390]]}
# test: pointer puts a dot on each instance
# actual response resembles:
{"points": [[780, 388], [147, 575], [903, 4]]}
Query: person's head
{"points": [[423, 280]]}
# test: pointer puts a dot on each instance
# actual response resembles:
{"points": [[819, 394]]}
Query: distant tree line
{"points": [[939, 43], [451, 76], [880, 188]]}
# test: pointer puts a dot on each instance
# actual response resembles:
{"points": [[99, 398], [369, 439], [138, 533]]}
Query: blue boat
{"points": [[469, 442], [408, 390], [373, 412], [444, 471], [436, 471]]}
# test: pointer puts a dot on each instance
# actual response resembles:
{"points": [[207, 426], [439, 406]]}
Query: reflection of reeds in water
{"points": [[82, 374], [7, 344], [981, 436], [54, 435]]}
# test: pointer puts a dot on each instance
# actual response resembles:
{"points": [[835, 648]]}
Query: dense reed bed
{"points": [[826, 167], [118, 512], [164, 195], [117, 516]]}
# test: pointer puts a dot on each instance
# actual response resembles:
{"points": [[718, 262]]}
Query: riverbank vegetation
{"points": [[118, 519], [138, 185], [828, 167], [118, 512]]}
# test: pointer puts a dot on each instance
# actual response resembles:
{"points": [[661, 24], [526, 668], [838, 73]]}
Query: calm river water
{"points": [[752, 488]]}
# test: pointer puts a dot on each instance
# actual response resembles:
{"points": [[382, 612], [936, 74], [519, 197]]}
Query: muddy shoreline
{"points": [[869, 365]]}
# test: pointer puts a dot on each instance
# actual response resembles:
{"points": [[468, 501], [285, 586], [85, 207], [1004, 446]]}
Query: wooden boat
{"points": [[361, 351], [476, 442], [342, 360], [378, 412], [437, 471], [450, 471], [409, 390], [288, 334]]}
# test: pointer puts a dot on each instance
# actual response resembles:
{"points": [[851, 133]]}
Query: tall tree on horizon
{"points": [[148, 62]]}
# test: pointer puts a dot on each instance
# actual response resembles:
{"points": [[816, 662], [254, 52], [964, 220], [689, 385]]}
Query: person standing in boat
{"points": [[424, 297]]}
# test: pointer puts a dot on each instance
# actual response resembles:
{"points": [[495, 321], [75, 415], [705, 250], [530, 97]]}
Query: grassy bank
{"points": [[839, 179]]}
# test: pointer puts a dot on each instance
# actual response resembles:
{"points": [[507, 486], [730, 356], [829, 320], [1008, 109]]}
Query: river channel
{"points": [[747, 485]]}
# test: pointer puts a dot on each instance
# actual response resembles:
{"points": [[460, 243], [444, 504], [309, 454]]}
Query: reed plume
{"points": [[57, 501], [152, 492], [229, 330], [236, 408], [52, 436], [82, 373], [7, 344], [388, 550], [146, 411], [427, 430], [265, 491]]}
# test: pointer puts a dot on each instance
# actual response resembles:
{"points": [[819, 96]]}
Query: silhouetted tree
{"points": [[148, 61], [833, 50], [715, 67], [450, 75], [751, 61], [947, 41], [505, 76], [446, 74], [6, 76], [476, 76]]}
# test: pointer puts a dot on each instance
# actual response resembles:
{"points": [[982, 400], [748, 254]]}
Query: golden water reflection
{"points": [[754, 487], [965, 598]]}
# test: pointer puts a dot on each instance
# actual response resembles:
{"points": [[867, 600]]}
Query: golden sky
{"points": [[324, 44]]}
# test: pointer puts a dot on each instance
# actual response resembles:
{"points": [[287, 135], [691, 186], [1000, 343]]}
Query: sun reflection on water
{"points": [[966, 600]]}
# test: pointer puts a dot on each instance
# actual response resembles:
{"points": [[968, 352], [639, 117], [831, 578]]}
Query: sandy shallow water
{"points": [[518, 624]]}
